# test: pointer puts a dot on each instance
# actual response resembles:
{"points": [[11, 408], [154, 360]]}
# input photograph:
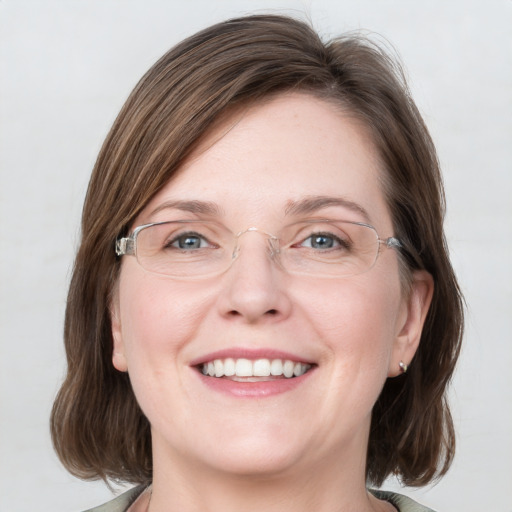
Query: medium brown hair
{"points": [[97, 426]]}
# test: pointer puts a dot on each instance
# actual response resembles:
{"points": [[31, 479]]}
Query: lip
{"points": [[261, 389]]}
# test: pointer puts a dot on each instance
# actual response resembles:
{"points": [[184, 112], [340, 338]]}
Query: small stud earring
{"points": [[403, 367]]}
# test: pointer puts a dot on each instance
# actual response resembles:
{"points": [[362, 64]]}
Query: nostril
{"points": [[271, 312]]}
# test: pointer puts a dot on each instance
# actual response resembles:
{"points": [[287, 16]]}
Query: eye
{"points": [[188, 241], [322, 241]]}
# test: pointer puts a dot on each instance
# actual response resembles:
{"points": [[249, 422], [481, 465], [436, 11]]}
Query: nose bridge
{"points": [[272, 241], [253, 290]]}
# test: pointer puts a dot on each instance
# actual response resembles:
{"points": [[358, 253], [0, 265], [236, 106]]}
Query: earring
{"points": [[403, 367]]}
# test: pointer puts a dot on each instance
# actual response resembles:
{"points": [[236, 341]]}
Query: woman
{"points": [[262, 314]]}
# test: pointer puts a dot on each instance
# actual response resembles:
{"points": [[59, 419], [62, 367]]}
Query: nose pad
{"points": [[253, 291], [273, 248]]}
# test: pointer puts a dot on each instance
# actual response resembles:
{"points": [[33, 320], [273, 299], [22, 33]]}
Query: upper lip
{"points": [[249, 353]]}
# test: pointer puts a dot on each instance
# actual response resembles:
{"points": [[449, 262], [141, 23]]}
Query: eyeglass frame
{"points": [[127, 246]]}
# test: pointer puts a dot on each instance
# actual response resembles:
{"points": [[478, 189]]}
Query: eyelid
{"points": [[321, 225], [336, 239], [174, 240], [187, 230], [287, 235]]}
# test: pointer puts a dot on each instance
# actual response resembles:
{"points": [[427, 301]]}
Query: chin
{"points": [[254, 462], [250, 450]]}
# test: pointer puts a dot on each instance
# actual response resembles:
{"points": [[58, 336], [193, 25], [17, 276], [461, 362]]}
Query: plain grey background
{"points": [[67, 66]]}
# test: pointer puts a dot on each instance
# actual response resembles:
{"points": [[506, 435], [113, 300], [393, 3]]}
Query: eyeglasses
{"points": [[195, 249]]}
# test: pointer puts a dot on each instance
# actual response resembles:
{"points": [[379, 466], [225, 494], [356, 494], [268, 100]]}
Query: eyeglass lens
{"points": [[320, 247]]}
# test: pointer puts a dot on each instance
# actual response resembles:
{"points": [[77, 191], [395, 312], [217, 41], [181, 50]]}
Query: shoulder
{"points": [[403, 503], [121, 503]]}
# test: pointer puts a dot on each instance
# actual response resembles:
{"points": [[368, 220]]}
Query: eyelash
{"points": [[176, 239], [336, 240]]}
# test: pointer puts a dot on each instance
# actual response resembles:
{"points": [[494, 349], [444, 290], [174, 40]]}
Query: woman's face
{"points": [[290, 158]]}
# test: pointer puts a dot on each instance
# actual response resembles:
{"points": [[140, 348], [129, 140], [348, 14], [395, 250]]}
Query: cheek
{"points": [[158, 317], [357, 321]]}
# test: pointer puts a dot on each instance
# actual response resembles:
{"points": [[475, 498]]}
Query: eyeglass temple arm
{"points": [[125, 246], [392, 242]]}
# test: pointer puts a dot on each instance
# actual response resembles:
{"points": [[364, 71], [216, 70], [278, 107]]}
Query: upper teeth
{"points": [[259, 368]]}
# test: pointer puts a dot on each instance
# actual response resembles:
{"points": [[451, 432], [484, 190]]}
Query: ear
{"points": [[118, 349], [415, 309]]}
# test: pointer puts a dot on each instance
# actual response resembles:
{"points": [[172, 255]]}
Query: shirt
{"points": [[125, 500]]}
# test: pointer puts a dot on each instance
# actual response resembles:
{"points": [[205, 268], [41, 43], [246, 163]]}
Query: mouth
{"points": [[253, 373], [257, 370]]}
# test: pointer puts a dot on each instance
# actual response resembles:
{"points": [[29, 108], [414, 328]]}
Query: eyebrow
{"points": [[192, 206], [314, 203], [304, 206]]}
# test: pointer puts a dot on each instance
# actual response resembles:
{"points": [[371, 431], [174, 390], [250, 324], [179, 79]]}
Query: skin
{"points": [[304, 449]]}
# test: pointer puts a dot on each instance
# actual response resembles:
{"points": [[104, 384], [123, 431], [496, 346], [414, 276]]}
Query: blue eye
{"points": [[322, 241], [189, 241]]}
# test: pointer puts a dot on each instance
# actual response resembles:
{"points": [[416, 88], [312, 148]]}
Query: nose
{"points": [[255, 287]]}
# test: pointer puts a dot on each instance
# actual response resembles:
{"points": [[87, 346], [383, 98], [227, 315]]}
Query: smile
{"points": [[247, 370]]}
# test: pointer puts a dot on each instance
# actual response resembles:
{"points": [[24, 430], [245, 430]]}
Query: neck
{"points": [[332, 486]]}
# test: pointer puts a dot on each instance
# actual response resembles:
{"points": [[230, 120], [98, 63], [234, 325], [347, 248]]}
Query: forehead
{"points": [[264, 158]]}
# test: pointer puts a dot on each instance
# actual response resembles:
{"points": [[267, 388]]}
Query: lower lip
{"points": [[261, 389]]}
